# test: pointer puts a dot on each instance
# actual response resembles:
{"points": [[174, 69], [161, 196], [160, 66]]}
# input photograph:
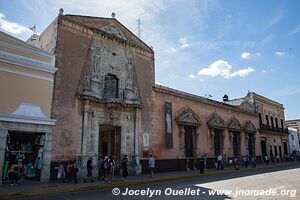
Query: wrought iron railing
{"points": [[273, 129]]}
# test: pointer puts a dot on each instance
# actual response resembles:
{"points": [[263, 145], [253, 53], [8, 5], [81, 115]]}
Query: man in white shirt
{"points": [[151, 165]]}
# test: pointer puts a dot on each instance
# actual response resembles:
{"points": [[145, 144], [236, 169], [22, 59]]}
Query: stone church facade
{"points": [[106, 102], [103, 89]]}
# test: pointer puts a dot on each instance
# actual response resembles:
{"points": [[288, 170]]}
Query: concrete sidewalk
{"points": [[34, 188]]}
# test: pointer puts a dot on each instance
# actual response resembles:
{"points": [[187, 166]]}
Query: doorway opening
{"points": [[218, 141], [189, 141], [110, 143], [263, 147]]}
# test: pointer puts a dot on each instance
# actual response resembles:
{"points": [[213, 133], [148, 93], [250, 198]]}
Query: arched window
{"points": [[111, 86]]}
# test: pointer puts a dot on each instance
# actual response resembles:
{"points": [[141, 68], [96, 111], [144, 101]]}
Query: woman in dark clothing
{"points": [[202, 165], [124, 167]]}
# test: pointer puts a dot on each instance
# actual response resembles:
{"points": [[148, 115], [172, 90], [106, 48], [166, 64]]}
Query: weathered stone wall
{"points": [[72, 47]]}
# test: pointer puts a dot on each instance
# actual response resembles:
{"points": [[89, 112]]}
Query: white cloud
{"points": [[219, 67], [172, 49], [222, 68], [242, 72], [13, 27], [246, 55], [192, 76], [294, 31], [279, 53], [258, 54], [263, 71], [183, 43]]}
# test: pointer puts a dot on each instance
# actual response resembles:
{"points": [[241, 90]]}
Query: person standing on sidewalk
{"points": [[39, 166], [151, 165], [13, 174], [112, 164], [89, 167], [124, 167], [75, 170], [100, 168], [202, 165], [220, 164], [205, 161], [69, 171]]}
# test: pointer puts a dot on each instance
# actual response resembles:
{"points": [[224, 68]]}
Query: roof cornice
{"points": [[185, 95]]}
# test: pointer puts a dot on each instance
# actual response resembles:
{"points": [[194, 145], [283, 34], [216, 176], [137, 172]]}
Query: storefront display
{"points": [[23, 149]]}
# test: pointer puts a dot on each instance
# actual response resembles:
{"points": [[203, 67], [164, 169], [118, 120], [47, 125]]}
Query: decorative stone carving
{"points": [[249, 127], [114, 30], [234, 124], [216, 121], [186, 116], [86, 81]]}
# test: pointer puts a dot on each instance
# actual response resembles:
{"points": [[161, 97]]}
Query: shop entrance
{"points": [[24, 149], [110, 143]]}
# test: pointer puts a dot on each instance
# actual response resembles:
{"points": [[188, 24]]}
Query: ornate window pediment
{"points": [[249, 127], [216, 121], [234, 124], [114, 30], [186, 116]]}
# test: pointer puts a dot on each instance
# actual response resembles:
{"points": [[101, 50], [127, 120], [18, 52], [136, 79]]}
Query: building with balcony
{"points": [[293, 140], [26, 88], [272, 130], [295, 124]]}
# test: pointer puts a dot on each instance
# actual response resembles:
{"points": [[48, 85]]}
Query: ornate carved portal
{"points": [[217, 126], [188, 124], [250, 139], [234, 130]]}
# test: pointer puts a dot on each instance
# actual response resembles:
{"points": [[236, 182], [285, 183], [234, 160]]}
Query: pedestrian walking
{"points": [[151, 165], [75, 170], [253, 161], [60, 172], [205, 161], [100, 168], [112, 164], [70, 171], [236, 163], [124, 167], [89, 167], [220, 164], [202, 165], [106, 168], [13, 173], [39, 165]]}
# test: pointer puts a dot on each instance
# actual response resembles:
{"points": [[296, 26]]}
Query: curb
{"points": [[45, 191]]}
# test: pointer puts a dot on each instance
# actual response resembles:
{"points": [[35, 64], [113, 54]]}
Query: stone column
{"points": [[212, 144], [197, 134], [243, 144], [246, 143], [223, 137], [47, 155], [227, 135], [3, 135], [86, 135], [181, 141], [229, 152]]}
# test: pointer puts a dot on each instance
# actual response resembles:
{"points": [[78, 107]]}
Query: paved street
{"points": [[280, 180]]}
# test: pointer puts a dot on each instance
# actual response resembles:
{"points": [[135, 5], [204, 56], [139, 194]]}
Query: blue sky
{"points": [[202, 47]]}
